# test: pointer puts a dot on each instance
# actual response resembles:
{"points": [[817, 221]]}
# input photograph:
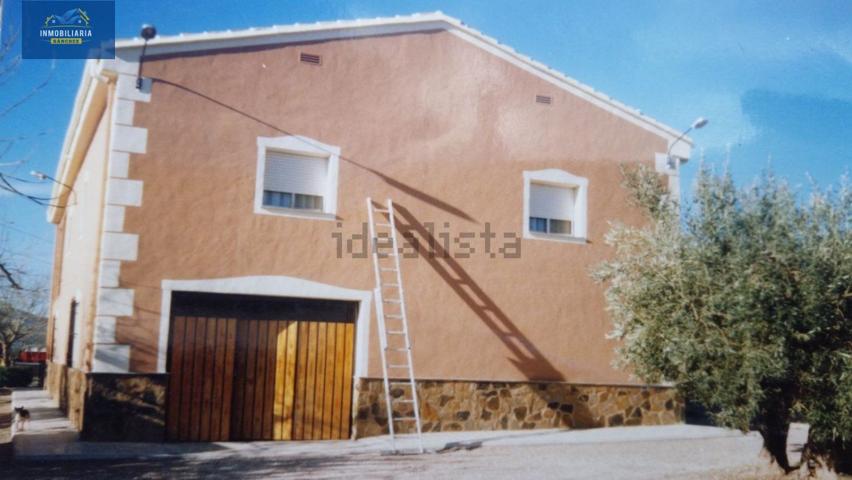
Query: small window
{"points": [[552, 209], [296, 177], [294, 181], [555, 206]]}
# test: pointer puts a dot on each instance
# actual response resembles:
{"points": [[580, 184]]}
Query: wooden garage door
{"points": [[261, 379], [202, 372]]}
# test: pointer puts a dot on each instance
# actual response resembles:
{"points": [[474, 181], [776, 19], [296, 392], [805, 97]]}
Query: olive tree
{"points": [[741, 298]]}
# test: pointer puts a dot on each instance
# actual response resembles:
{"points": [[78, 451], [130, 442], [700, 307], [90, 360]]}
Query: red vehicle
{"points": [[32, 356]]}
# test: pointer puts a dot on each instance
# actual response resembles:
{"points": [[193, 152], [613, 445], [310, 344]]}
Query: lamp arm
{"points": [[679, 138], [57, 181]]}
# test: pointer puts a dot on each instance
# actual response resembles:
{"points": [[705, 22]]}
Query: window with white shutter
{"points": [[294, 181], [297, 176], [555, 204], [551, 209]]}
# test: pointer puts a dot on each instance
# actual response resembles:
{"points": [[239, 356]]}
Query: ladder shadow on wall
{"points": [[525, 356]]}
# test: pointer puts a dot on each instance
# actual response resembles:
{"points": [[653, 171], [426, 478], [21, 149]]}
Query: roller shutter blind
{"points": [[286, 172], [552, 202]]}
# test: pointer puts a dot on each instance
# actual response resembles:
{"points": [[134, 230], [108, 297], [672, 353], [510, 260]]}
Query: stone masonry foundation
{"points": [[68, 386], [110, 406], [465, 405], [131, 407], [125, 407]]}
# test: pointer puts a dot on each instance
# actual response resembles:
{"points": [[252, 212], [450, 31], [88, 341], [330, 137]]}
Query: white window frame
{"points": [[304, 146], [559, 178]]}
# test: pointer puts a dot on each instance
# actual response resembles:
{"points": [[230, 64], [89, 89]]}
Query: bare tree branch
{"points": [[29, 94], [10, 277]]}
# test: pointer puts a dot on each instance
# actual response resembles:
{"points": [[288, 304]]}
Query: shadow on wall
{"points": [[418, 194], [142, 345], [524, 355], [132, 332], [111, 417]]}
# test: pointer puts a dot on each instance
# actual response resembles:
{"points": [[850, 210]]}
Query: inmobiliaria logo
{"points": [[73, 27], [68, 29]]}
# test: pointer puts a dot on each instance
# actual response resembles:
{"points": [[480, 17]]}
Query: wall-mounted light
{"points": [[148, 32]]}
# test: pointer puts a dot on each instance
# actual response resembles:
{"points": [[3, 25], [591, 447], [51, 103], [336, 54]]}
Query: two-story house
{"points": [[213, 278]]}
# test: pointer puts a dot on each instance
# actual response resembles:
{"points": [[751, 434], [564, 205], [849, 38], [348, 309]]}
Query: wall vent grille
{"points": [[543, 99], [310, 58]]}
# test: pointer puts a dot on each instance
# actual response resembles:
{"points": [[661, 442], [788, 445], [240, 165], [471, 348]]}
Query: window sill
{"points": [[555, 238], [295, 213]]}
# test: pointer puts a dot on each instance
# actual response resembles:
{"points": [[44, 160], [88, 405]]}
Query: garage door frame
{"points": [[272, 286]]}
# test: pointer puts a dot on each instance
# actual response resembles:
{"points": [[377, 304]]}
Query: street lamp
{"points": [[43, 176], [699, 122]]}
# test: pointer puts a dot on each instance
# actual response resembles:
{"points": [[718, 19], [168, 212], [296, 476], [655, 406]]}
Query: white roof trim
{"points": [[76, 111], [183, 43], [89, 90]]}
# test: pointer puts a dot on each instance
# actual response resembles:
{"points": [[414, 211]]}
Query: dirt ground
{"points": [[711, 458], [662, 452]]}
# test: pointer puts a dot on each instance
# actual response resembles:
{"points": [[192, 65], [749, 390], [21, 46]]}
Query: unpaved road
{"points": [[723, 458]]}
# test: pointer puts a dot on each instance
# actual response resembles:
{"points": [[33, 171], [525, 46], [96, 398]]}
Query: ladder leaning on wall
{"points": [[392, 319]]}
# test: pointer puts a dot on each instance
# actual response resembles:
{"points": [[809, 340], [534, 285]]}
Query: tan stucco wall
{"points": [[81, 229], [440, 126]]}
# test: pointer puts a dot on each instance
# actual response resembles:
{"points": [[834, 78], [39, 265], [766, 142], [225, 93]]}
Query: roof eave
{"points": [[91, 96], [410, 23]]}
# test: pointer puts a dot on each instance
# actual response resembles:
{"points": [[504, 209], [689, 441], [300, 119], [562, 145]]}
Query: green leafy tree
{"points": [[741, 298]]}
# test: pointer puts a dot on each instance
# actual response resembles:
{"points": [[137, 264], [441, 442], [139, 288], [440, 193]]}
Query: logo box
{"points": [[68, 29]]}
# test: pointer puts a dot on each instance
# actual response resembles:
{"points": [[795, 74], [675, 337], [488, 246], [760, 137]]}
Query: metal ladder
{"points": [[393, 327]]}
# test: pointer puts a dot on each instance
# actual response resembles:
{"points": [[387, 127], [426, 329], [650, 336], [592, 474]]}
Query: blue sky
{"points": [[773, 77]]}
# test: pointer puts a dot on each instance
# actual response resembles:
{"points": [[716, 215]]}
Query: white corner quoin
{"points": [[559, 178], [302, 146]]}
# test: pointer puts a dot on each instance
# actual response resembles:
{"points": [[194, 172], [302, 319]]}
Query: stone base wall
{"points": [[68, 386], [111, 407], [460, 405], [52, 381], [125, 407], [132, 407]]}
